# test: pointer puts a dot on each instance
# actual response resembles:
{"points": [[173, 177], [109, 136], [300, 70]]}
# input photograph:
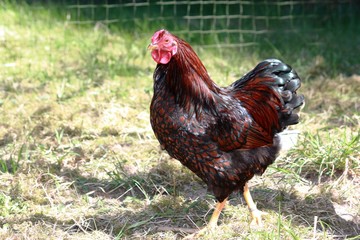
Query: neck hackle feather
{"points": [[188, 80]]}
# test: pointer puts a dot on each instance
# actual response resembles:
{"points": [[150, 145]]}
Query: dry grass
{"points": [[78, 159]]}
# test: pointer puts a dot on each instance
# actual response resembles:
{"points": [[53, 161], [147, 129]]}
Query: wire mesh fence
{"points": [[215, 23]]}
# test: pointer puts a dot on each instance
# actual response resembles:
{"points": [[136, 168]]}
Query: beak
{"points": [[152, 47]]}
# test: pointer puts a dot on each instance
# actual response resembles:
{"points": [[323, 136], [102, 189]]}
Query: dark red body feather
{"points": [[224, 135]]}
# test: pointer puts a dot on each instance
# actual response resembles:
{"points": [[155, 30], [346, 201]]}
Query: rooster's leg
{"points": [[255, 213], [215, 216], [212, 223]]}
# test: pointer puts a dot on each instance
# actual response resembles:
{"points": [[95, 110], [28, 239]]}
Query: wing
{"points": [[235, 129]]}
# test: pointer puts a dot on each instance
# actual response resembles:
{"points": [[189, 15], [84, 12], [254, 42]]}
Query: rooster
{"points": [[224, 135]]}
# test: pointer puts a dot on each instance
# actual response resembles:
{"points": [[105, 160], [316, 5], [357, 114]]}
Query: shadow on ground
{"points": [[150, 200]]}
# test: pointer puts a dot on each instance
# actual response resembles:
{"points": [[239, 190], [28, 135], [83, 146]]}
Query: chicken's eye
{"points": [[167, 40]]}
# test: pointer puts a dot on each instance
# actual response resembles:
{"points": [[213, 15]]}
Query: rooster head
{"points": [[163, 46]]}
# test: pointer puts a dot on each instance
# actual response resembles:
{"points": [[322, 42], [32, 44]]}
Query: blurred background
{"points": [[221, 23], [282, 27], [78, 158]]}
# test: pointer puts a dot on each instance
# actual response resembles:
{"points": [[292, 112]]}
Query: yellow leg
{"points": [[215, 216], [212, 223], [255, 213]]}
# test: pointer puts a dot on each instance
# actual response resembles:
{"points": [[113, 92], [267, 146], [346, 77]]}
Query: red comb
{"points": [[158, 35]]}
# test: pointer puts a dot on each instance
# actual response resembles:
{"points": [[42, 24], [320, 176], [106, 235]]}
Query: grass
{"points": [[78, 159]]}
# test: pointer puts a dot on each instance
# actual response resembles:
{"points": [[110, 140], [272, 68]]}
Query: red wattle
{"points": [[161, 56]]}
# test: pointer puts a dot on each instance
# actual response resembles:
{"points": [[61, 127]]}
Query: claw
{"points": [[212, 223], [202, 232], [256, 217]]}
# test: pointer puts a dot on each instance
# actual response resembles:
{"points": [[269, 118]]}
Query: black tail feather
{"points": [[283, 82], [287, 83]]}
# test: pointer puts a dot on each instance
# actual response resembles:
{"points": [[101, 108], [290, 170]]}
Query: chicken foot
{"points": [[215, 216], [255, 213], [212, 223]]}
